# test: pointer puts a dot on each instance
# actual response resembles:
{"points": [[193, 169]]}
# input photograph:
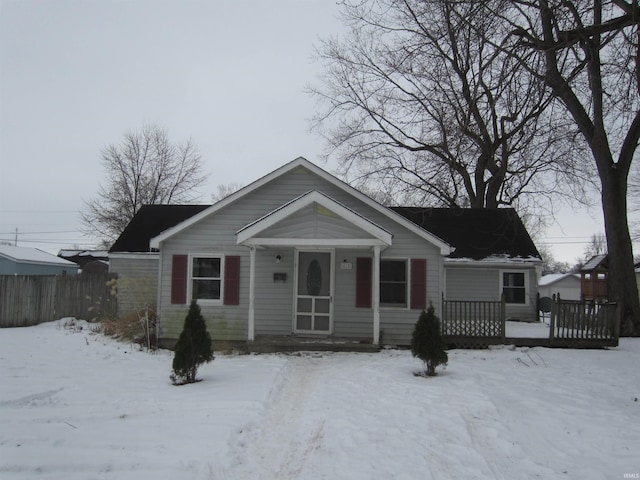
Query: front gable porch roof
{"points": [[300, 162], [249, 234]]}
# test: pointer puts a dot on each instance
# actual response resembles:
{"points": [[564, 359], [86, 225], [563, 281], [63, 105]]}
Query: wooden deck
{"points": [[485, 342]]}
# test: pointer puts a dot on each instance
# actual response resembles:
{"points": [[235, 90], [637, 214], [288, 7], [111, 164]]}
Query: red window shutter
{"points": [[179, 279], [232, 280], [363, 282], [418, 283]]}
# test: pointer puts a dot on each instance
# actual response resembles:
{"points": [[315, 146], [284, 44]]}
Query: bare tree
{"points": [[588, 55], [224, 190], [417, 99], [144, 168], [596, 246]]}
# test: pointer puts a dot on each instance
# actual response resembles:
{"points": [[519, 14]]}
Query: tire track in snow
{"points": [[279, 445]]}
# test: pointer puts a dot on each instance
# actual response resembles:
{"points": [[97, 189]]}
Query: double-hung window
{"points": [[393, 283], [206, 278], [514, 287]]}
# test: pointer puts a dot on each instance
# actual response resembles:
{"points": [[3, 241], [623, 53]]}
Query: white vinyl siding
{"points": [[216, 234]]}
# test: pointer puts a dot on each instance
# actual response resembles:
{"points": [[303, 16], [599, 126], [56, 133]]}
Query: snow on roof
{"points": [[555, 277], [65, 252], [32, 255], [501, 259]]}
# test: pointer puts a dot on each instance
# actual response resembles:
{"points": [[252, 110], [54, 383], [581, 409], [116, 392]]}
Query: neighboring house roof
{"points": [[83, 257], [32, 255], [476, 233], [595, 262], [149, 221], [552, 278], [301, 162]]}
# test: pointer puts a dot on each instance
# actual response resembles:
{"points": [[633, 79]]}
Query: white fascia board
{"points": [[519, 262], [305, 200], [135, 255], [315, 242], [445, 248]]}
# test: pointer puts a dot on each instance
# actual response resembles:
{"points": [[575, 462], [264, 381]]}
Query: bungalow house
{"points": [[299, 253], [32, 261]]}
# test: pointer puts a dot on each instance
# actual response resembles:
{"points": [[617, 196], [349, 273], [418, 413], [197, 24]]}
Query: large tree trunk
{"points": [[621, 279]]}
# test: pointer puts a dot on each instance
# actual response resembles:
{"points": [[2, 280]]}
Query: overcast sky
{"points": [[75, 76]]}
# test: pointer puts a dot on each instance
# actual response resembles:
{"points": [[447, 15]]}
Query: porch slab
{"points": [[289, 343]]}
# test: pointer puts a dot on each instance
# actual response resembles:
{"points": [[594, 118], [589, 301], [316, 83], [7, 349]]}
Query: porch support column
{"points": [[251, 328], [376, 295]]}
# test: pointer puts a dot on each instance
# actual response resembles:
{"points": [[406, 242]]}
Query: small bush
{"points": [[193, 347], [427, 343]]}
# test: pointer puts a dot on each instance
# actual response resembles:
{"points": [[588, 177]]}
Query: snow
{"points": [[552, 278], [77, 405], [32, 255]]}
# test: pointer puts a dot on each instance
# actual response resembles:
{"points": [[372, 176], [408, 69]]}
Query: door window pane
{"points": [[303, 322], [304, 305], [314, 270], [321, 323], [322, 305]]}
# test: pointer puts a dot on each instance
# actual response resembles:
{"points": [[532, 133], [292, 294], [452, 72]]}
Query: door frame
{"points": [[296, 273]]}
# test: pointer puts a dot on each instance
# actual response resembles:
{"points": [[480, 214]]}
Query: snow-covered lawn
{"points": [[81, 406]]}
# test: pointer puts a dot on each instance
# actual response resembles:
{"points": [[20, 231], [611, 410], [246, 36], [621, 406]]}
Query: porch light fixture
{"points": [[278, 258]]}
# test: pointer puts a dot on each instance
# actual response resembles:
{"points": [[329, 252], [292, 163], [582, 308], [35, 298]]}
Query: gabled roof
{"points": [[595, 262], [149, 221], [444, 247], [383, 236], [552, 278], [32, 255], [476, 233]]}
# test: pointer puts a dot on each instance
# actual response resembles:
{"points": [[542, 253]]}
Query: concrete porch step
{"points": [[290, 343]]}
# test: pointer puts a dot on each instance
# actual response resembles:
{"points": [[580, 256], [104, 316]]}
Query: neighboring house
{"points": [[594, 278], [90, 261], [299, 252], [32, 261], [567, 285], [135, 262]]}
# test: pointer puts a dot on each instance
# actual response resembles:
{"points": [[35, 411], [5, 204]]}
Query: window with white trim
{"points": [[514, 287], [206, 278], [393, 283]]}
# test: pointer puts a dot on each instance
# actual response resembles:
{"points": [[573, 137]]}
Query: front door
{"points": [[314, 290]]}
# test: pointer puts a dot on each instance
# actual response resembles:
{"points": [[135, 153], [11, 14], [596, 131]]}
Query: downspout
{"points": [[252, 294], [376, 295], [158, 297]]}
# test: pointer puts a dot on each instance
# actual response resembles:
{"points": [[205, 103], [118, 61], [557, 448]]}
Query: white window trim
{"points": [[526, 286], [407, 262], [205, 301]]}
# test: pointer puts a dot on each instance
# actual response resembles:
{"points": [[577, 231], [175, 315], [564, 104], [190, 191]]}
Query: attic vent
{"points": [[300, 171]]}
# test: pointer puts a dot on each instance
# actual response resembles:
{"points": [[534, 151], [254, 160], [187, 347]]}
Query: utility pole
{"points": [[15, 243]]}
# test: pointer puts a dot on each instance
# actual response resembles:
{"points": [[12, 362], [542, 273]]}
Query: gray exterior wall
{"points": [[215, 234], [137, 281], [483, 284], [11, 267]]}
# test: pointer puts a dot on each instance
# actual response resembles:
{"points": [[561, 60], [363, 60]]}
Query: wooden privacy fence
{"points": [[584, 324], [473, 323], [32, 299]]}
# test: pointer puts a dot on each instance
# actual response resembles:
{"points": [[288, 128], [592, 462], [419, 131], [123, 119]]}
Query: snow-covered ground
{"points": [[79, 406]]}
